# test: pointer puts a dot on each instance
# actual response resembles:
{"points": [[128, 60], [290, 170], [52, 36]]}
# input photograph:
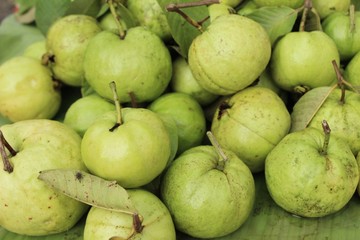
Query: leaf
{"points": [[16, 37], [277, 21], [89, 189], [183, 32], [307, 106], [25, 5], [47, 12]]}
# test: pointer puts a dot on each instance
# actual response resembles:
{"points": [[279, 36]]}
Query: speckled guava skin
{"points": [[66, 42], [307, 183], [157, 222], [131, 63], [230, 54], [27, 90], [29, 206], [287, 3], [251, 123]]}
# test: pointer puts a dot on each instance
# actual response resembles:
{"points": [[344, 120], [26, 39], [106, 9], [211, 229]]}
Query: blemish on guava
{"points": [[222, 109]]}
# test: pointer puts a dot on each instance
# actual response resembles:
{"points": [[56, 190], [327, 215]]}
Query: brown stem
{"points": [[133, 100], [176, 7], [352, 18], [122, 32], [327, 132], [306, 9], [137, 223], [340, 80], [5, 145]]}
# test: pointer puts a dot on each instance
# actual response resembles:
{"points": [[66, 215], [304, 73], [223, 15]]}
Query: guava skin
{"points": [[325, 7], [28, 206], [66, 41], [251, 123], [206, 202], [337, 26], [288, 3], [342, 117], [131, 63], [102, 224], [150, 14], [133, 154], [303, 60], [307, 183], [85, 110], [230, 54], [358, 162], [352, 71], [27, 90], [188, 115], [36, 50]]}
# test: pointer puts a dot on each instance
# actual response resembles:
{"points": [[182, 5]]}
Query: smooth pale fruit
{"points": [[326, 7], [28, 206], [251, 123], [133, 154], [231, 3], [133, 65], [337, 26], [84, 111], [306, 183], [204, 201], [104, 224], [66, 41], [150, 14], [27, 90], [352, 71], [36, 50], [183, 81], [288, 3], [342, 117], [188, 115], [230, 54], [303, 60], [358, 162]]}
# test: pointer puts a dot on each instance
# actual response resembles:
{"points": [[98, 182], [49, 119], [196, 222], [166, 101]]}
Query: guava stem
{"points": [[117, 105], [340, 80], [327, 131], [352, 18], [133, 100], [137, 223], [4, 144], [122, 32], [215, 143], [176, 7], [306, 8]]}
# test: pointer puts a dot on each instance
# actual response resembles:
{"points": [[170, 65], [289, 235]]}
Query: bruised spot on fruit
{"points": [[79, 176], [222, 109]]}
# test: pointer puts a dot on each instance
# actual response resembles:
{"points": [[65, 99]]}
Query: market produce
{"points": [[343, 27], [66, 42], [319, 173], [27, 90], [209, 191], [215, 70], [27, 205], [156, 222], [326, 7], [251, 123]]}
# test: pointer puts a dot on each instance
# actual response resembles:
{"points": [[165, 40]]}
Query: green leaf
{"points": [[47, 12], [307, 106], [16, 37], [89, 189], [25, 5], [183, 32], [277, 21]]}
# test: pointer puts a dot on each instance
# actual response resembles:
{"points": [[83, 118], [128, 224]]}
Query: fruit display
{"points": [[180, 119]]}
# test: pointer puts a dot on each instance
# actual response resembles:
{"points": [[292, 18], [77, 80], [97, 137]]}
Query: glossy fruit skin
{"points": [[131, 63], [224, 62], [66, 42], [133, 154], [325, 7], [337, 26], [188, 115], [27, 90], [250, 124], [303, 60], [311, 184], [288, 3], [158, 224], [29, 206], [206, 202]]}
